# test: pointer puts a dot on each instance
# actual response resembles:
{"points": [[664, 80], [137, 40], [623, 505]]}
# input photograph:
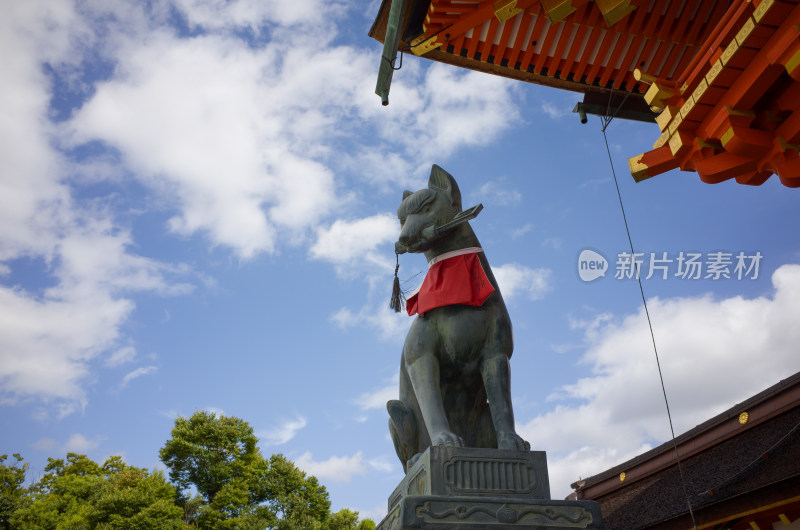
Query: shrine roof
{"points": [[722, 77], [593, 48]]}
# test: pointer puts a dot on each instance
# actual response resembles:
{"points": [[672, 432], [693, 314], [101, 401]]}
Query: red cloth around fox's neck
{"points": [[453, 278]]}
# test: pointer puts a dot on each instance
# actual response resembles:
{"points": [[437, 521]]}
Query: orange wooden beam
{"points": [[467, 21], [527, 21], [723, 166], [486, 46], [580, 40], [504, 47], [553, 31], [568, 34], [759, 75], [541, 20], [603, 52], [583, 63], [665, 31], [625, 74], [652, 163], [789, 172], [715, 39], [623, 41]]}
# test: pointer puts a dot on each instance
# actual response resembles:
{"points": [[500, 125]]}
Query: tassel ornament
{"points": [[398, 299]]}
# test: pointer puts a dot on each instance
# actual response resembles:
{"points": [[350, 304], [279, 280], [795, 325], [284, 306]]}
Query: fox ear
{"points": [[443, 181], [407, 194]]}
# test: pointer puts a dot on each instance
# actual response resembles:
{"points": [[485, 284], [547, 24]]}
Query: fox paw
{"points": [[448, 439], [511, 441]]}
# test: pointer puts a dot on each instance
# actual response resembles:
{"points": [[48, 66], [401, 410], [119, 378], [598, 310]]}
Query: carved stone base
{"points": [[452, 488], [473, 513]]}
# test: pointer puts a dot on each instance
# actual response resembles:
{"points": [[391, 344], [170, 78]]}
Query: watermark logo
{"points": [[591, 265], [718, 265]]}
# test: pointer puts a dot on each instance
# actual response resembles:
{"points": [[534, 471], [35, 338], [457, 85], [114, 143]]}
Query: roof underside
{"points": [[585, 51], [723, 76]]}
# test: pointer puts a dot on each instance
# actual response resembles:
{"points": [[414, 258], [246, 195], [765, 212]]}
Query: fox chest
{"points": [[460, 336]]}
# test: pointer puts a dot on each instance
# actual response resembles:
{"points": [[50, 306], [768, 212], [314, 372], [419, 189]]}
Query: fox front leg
{"points": [[424, 375], [497, 380]]}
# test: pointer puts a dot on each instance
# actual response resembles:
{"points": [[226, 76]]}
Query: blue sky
{"points": [[198, 212]]}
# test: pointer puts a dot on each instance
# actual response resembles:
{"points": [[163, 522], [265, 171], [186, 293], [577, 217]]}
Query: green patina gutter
{"points": [[390, 44]]}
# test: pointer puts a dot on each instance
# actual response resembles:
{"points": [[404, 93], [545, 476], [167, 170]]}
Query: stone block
{"points": [[461, 488]]}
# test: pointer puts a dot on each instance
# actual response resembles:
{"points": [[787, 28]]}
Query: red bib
{"points": [[454, 280]]}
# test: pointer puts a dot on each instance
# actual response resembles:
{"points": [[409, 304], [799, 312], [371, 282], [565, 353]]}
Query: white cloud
{"points": [[78, 443], [284, 432], [376, 399], [497, 193], [350, 245], [447, 109], [554, 111], [384, 465], [341, 468], [376, 513], [563, 348], [44, 344], [170, 414], [335, 468], [515, 279], [251, 13], [239, 139], [135, 374], [714, 353], [594, 183], [49, 337], [120, 356], [214, 410], [237, 142], [553, 242], [244, 140], [181, 114], [521, 231], [388, 323], [44, 444]]}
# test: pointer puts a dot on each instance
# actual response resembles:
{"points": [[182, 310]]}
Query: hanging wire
{"points": [[391, 63], [606, 121]]}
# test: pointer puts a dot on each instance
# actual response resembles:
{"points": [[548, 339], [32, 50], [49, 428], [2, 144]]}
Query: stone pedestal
{"points": [[460, 488]]}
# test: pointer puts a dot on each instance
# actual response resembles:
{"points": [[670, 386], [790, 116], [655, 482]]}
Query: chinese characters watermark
{"points": [[685, 265]]}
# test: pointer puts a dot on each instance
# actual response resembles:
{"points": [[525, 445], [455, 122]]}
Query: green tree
{"points": [[346, 519], [208, 452], [11, 491], [296, 500], [367, 524], [78, 493], [219, 456]]}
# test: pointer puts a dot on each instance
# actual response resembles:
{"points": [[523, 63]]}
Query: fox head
{"points": [[422, 211]]}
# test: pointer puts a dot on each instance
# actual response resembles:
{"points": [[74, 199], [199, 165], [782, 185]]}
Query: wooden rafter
{"points": [[699, 63]]}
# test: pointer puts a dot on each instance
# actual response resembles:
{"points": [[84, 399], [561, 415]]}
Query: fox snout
{"points": [[417, 230]]}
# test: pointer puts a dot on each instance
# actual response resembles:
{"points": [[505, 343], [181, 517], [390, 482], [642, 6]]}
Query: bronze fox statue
{"points": [[454, 373]]}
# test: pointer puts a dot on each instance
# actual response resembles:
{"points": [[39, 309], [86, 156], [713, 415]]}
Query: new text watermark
{"points": [[716, 265]]}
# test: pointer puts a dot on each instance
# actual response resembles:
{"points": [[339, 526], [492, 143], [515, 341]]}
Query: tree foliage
{"points": [[219, 456], [216, 456], [207, 452], [78, 493], [11, 491], [346, 519]]}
